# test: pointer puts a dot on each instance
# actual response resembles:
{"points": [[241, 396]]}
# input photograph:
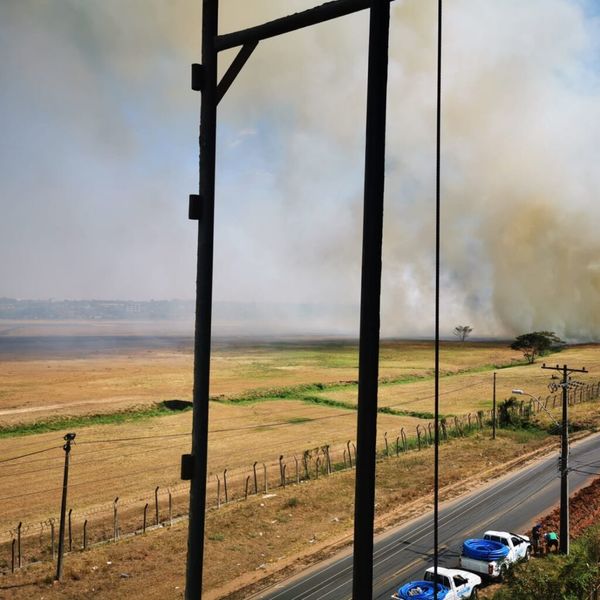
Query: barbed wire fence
{"points": [[164, 505]]}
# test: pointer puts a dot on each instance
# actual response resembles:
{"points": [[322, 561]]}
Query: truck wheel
{"points": [[503, 573], [527, 554], [474, 594]]}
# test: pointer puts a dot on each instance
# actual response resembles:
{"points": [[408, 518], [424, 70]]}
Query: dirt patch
{"points": [[584, 511]]}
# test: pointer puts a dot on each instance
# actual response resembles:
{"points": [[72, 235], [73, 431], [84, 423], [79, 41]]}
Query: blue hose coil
{"points": [[421, 590], [484, 550]]}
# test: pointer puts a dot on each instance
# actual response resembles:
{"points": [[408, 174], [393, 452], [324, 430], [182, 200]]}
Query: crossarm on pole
{"points": [[306, 18]]}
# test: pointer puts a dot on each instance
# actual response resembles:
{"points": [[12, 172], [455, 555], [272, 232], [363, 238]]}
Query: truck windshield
{"points": [[441, 579], [496, 538]]}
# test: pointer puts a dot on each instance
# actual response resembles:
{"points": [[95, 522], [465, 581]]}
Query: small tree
{"points": [[462, 332], [536, 343]]}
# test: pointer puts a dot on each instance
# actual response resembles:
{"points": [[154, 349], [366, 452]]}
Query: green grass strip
{"points": [[159, 409]]}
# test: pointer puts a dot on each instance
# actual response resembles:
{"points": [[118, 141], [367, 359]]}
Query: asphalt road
{"points": [[508, 504]]}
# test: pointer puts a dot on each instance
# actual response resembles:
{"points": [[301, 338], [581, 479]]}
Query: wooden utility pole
{"points": [[564, 456], [69, 437], [494, 409]]}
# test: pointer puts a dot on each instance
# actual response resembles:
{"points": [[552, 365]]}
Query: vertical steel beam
{"points": [[436, 456], [364, 508], [204, 280]]}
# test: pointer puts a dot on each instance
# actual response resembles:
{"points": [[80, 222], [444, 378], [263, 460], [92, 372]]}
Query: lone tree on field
{"points": [[462, 332], [536, 343]]}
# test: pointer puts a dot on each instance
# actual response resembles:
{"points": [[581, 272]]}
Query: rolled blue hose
{"points": [[421, 590], [484, 550]]}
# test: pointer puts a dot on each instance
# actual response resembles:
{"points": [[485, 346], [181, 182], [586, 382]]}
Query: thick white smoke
{"points": [[520, 153]]}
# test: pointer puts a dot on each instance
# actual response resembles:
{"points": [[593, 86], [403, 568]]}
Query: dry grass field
{"points": [[270, 399], [255, 539], [45, 371], [130, 459], [102, 469], [464, 392]]}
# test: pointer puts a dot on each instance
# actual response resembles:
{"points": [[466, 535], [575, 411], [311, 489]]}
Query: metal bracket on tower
{"points": [[197, 77], [187, 467], [195, 207]]}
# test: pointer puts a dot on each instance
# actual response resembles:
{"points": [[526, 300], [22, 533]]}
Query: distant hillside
{"points": [[245, 317], [11, 308]]}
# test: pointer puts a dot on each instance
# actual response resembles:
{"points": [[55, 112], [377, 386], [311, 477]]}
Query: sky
{"points": [[98, 155]]}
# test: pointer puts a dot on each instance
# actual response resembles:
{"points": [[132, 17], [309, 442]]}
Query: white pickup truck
{"points": [[519, 548], [457, 585]]}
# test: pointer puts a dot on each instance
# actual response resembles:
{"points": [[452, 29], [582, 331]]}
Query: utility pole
{"points": [[69, 437], [494, 409], [564, 456]]}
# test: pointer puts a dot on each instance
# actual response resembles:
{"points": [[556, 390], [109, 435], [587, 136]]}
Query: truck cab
{"points": [[458, 585]]}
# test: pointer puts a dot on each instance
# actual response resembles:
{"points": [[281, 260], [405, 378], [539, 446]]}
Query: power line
{"points": [[5, 460], [88, 482], [130, 439], [584, 472]]}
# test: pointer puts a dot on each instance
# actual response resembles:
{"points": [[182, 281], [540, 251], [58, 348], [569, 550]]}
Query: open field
{"points": [[149, 453], [64, 373], [268, 406], [252, 540], [269, 399]]}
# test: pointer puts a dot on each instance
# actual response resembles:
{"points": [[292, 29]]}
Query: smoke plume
{"points": [[521, 120]]}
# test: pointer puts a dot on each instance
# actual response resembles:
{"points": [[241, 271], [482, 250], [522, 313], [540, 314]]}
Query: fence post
{"points": [[265, 476], [225, 486], [145, 518], [398, 446], [246, 490], [85, 534], [157, 516], [429, 426], [255, 478], [318, 463], [349, 453], [52, 539], [218, 492], [19, 544], [170, 507], [419, 436], [444, 432], [12, 564], [456, 426], [115, 519], [326, 449], [305, 457], [283, 475], [297, 470], [404, 439], [387, 449], [354, 446], [70, 532], [281, 469]]}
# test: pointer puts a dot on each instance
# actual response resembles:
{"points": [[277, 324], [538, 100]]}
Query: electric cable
{"points": [[584, 472], [436, 476], [5, 460]]}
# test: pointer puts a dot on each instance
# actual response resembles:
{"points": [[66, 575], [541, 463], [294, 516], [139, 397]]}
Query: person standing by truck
{"points": [[551, 541], [536, 538]]}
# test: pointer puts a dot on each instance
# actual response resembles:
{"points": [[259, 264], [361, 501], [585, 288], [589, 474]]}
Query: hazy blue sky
{"points": [[98, 154]]}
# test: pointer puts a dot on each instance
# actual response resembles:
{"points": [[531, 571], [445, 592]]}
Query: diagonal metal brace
{"points": [[234, 68]]}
